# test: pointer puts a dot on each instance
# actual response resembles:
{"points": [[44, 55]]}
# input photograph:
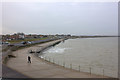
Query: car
{"points": [[5, 43], [29, 42], [0, 43], [23, 42]]}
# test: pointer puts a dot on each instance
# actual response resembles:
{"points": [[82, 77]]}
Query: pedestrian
{"points": [[29, 59]]}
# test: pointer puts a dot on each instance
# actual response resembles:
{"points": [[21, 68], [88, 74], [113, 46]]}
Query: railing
{"points": [[91, 70]]}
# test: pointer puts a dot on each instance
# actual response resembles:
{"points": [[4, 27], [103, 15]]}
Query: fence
{"points": [[91, 70]]}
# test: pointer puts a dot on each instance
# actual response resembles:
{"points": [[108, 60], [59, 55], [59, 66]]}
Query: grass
{"points": [[14, 48], [5, 49], [17, 41], [32, 39]]}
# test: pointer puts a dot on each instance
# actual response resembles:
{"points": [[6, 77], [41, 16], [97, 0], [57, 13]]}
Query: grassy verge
{"points": [[28, 45], [17, 41], [31, 39], [14, 48], [5, 49]]}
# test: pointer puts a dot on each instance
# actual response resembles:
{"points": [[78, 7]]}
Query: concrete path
{"points": [[10, 73], [40, 68]]}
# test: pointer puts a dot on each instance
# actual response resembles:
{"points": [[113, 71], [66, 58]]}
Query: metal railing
{"points": [[91, 70]]}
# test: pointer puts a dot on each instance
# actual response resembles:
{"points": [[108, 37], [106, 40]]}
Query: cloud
{"points": [[60, 0], [51, 18]]}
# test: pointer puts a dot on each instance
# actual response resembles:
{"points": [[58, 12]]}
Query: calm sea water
{"points": [[101, 54]]}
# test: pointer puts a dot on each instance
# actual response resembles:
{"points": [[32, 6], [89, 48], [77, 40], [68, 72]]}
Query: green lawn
{"points": [[32, 39]]}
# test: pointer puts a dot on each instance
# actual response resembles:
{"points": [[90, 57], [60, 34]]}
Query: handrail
{"points": [[90, 69]]}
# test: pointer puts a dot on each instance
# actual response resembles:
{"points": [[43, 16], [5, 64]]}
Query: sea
{"points": [[92, 55]]}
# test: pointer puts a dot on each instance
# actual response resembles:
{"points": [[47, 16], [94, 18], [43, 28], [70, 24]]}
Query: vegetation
{"points": [[31, 39]]}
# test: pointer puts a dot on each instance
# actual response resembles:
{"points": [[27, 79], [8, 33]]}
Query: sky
{"points": [[76, 18]]}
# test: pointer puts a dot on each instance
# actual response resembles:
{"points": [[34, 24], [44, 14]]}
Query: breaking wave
{"points": [[56, 50]]}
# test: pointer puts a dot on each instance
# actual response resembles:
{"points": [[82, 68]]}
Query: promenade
{"points": [[40, 68]]}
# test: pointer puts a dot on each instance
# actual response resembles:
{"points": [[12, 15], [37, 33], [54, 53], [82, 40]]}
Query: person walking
{"points": [[29, 59]]}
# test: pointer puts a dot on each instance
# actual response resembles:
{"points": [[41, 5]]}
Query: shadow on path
{"points": [[10, 73]]}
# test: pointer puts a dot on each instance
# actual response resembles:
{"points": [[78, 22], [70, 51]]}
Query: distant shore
{"points": [[92, 36]]}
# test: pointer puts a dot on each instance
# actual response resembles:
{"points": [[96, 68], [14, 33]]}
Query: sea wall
{"points": [[7, 54]]}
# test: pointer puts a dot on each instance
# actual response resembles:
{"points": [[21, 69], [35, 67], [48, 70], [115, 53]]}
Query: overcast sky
{"points": [[78, 18]]}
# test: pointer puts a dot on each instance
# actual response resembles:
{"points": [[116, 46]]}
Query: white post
{"points": [[53, 60]]}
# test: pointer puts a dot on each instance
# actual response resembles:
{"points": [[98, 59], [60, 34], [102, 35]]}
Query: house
{"points": [[17, 36], [21, 35]]}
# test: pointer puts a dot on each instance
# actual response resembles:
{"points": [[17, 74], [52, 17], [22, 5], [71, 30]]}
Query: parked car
{"points": [[0, 43], [29, 42], [23, 42], [5, 43]]}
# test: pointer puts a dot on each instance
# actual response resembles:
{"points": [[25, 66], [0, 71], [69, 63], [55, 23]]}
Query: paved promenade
{"points": [[10, 73], [40, 68]]}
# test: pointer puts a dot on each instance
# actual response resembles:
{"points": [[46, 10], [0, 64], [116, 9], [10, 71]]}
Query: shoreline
{"points": [[18, 47], [82, 56], [36, 65]]}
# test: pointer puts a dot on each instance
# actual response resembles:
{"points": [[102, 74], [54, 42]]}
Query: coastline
{"points": [[79, 54], [42, 68]]}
